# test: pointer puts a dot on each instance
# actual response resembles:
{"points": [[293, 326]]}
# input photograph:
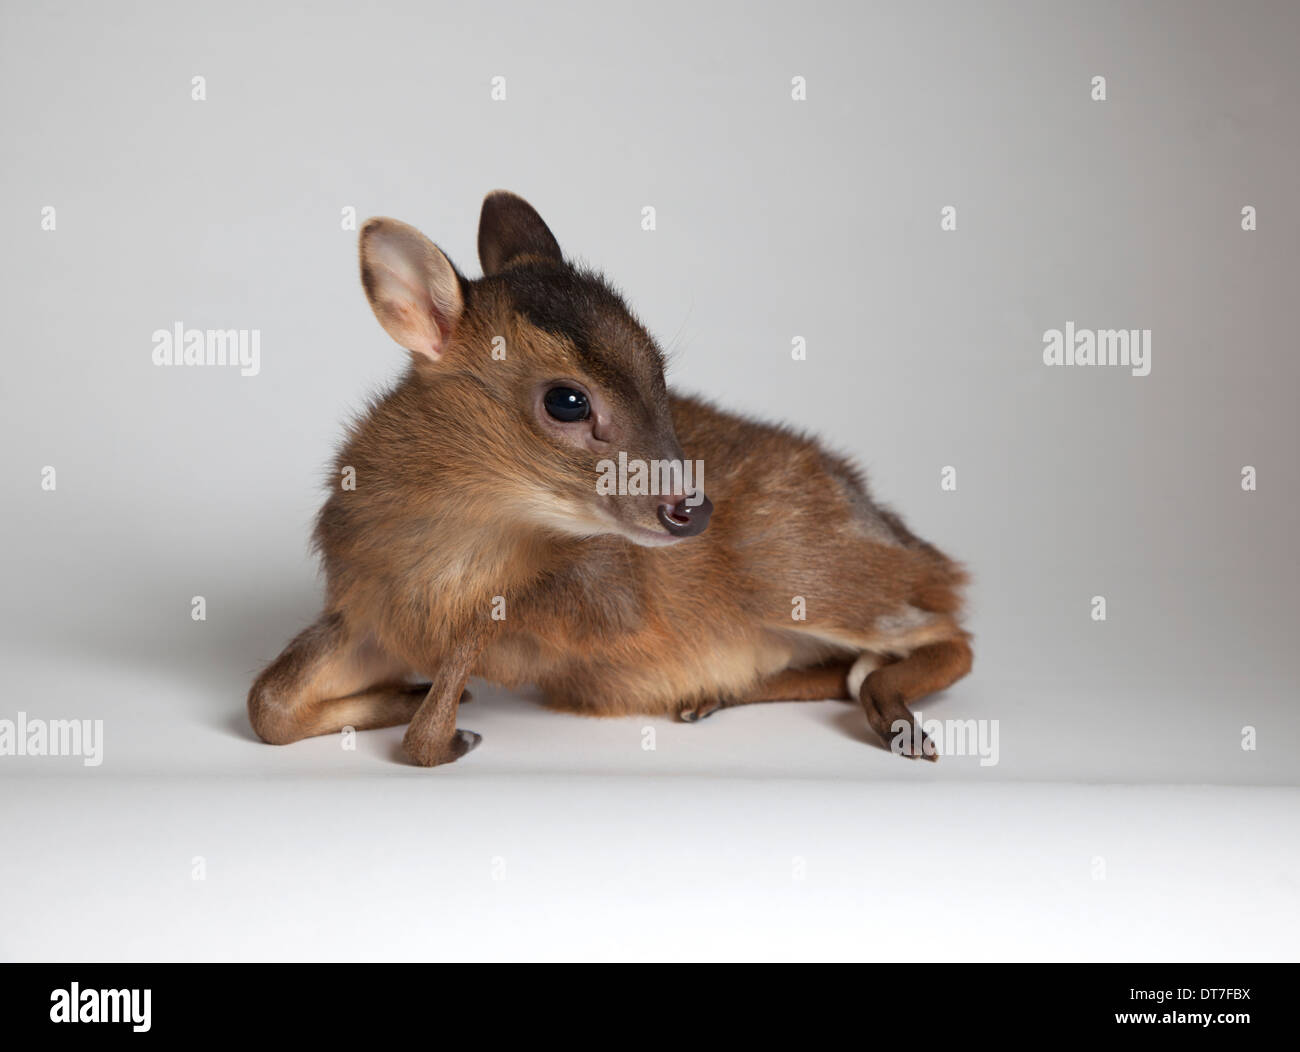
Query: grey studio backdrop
{"points": [[776, 218]]}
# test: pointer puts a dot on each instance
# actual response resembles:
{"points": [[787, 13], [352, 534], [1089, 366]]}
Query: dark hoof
{"points": [[424, 755], [463, 742], [905, 745]]}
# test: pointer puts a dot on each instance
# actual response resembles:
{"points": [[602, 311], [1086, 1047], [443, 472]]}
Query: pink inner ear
{"points": [[408, 311], [411, 285], [423, 326]]}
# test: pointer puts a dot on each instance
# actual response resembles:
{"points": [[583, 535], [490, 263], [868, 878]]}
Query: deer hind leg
{"points": [[814, 683], [326, 680], [885, 690]]}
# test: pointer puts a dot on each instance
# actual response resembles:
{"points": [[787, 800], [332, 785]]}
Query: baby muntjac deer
{"points": [[528, 506]]}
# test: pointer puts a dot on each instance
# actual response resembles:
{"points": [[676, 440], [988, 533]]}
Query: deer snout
{"points": [[683, 519]]}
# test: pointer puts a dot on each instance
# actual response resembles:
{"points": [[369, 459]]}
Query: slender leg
{"points": [[299, 693], [816, 683], [886, 692], [432, 737], [371, 709]]}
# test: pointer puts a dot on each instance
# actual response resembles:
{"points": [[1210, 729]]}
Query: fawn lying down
{"points": [[476, 540]]}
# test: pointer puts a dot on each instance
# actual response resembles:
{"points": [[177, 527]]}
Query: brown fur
{"points": [[465, 492]]}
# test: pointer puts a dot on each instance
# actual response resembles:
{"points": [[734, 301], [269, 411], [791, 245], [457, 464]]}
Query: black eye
{"points": [[566, 404]]}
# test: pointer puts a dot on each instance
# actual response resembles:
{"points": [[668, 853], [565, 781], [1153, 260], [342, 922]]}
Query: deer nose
{"points": [[685, 520]]}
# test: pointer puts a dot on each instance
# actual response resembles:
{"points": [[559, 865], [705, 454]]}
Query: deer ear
{"points": [[412, 287], [509, 229]]}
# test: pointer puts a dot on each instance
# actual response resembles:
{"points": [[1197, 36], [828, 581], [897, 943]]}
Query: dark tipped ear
{"points": [[509, 229], [412, 287]]}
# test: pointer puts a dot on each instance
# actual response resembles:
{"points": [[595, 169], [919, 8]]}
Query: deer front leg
{"points": [[432, 737]]}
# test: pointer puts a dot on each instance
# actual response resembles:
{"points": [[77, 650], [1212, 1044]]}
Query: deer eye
{"points": [[566, 405]]}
